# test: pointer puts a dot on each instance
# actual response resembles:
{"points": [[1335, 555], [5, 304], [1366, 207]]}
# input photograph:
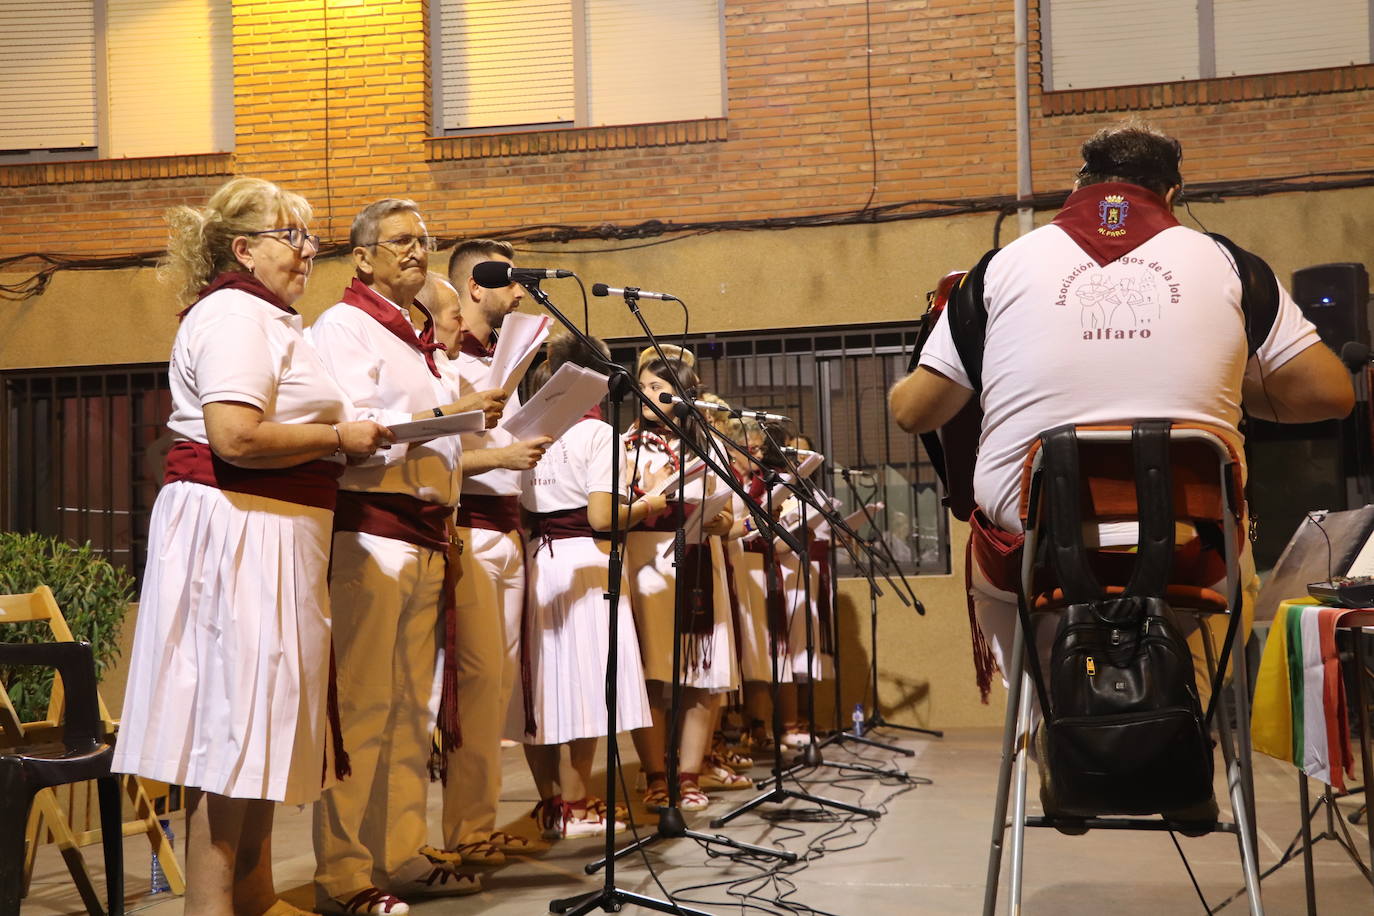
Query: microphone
{"points": [[630, 292], [666, 398], [496, 274], [671, 399], [1354, 354]]}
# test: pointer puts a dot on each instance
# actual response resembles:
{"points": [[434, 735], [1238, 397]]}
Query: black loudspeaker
{"points": [[1335, 298]]}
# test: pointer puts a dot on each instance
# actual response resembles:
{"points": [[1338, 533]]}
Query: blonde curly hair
{"points": [[200, 241]]}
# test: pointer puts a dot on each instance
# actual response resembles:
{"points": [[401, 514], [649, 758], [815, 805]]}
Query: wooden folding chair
{"points": [[49, 817], [1206, 476]]}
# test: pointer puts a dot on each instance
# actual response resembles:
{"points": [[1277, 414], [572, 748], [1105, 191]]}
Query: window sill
{"points": [[575, 139], [22, 174], [1209, 91]]}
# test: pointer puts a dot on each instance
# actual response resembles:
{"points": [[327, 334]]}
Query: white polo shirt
{"points": [[1156, 333]]}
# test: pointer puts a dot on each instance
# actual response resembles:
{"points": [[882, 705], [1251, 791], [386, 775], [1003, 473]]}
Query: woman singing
{"points": [[655, 456], [571, 504], [229, 676]]}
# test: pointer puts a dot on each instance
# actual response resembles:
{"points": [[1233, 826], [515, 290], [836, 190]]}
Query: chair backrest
{"points": [[75, 665], [40, 605], [1206, 482]]}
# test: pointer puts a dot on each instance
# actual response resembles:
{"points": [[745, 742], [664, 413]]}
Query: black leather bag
{"points": [[1124, 729]]}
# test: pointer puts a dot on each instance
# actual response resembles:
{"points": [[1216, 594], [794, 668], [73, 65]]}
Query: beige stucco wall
{"points": [[730, 280]]}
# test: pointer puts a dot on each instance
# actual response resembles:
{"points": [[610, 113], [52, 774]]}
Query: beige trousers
{"points": [[491, 596], [369, 828]]}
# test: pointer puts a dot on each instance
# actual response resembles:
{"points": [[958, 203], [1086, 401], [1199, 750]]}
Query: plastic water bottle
{"points": [[858, 720], [158, 879]]}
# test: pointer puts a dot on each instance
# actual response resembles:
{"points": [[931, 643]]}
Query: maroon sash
{"points": [[565, 523], [697, 610], [819, 551], [314, 483], [488, 512]]}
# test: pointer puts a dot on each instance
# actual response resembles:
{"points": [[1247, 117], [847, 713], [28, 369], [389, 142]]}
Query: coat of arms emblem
{"points": [[1113, 210]]}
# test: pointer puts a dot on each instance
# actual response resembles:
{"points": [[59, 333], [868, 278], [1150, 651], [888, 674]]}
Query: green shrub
{"points": [[93, 595]]}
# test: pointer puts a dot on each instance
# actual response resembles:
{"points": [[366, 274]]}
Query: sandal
{"points": [[479, 852], [722, 778], [734, 759], [690, 796], [548, 814], [656, 791], [370, 901], [514, 843], [598, 806]]}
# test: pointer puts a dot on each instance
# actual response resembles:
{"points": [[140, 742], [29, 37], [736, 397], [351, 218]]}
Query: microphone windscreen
{"points": [[1354, 354], [492, 274], [600, 289], [665, 397]]}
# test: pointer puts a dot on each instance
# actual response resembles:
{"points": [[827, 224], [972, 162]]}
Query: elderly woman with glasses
{"points": [[229, 679]]}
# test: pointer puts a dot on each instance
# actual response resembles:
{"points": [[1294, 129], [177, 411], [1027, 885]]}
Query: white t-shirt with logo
{"points": [[1156, 333]]}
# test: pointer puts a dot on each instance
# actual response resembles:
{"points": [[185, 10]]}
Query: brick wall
{"points": [[339, 110]]}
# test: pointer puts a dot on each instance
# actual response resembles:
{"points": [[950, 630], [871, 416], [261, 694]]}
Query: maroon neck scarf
{"points": [[1109, 220], [470, 345], [362, 296], [236, 279]]}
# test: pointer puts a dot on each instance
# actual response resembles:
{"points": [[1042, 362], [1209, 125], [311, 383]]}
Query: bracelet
{"points": [[438, 412], [338, 449]]}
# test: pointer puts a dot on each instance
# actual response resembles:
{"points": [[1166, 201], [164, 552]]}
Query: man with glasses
{"points": [[388, 573]]}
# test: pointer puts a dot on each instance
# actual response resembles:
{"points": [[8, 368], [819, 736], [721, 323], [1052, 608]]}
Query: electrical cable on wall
{"points": [[664, 232]]}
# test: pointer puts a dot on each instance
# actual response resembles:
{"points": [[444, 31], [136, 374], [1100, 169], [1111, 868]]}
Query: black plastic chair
{"points": [[83, 753]]}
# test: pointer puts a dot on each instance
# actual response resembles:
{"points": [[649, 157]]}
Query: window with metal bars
{"points": [[83, 448], [83, 455], [832, 383]]}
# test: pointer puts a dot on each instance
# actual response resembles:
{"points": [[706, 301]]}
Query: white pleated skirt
{"points": [[568, 633], [652, 584], [799, 614], [229, 673]]}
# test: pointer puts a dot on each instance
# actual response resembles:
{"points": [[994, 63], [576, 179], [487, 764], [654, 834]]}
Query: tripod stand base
{"points": [[777, 796], [613, 900], [810, 758], [877, 721], [841, 737], [671, 826]]}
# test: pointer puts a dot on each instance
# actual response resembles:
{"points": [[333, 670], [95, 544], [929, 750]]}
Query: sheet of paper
{"points": [[419, 430], [810, 461], [694, 469], [522, 334], [563, 400], [694, 531]]}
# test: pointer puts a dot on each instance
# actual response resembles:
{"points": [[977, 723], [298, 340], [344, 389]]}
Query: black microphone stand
{"points": [[853, 545], [671, 824], [875, 716], [610, 898], [810, 756]]}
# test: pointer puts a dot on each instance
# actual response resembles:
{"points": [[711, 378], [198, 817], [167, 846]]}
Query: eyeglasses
{"points": [[294, 236], [406, 242]]}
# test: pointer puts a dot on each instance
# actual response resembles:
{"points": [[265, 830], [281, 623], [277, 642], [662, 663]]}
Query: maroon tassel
{"points": [[342, 768], [450, 731], [984, 662], [526, 663]]}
